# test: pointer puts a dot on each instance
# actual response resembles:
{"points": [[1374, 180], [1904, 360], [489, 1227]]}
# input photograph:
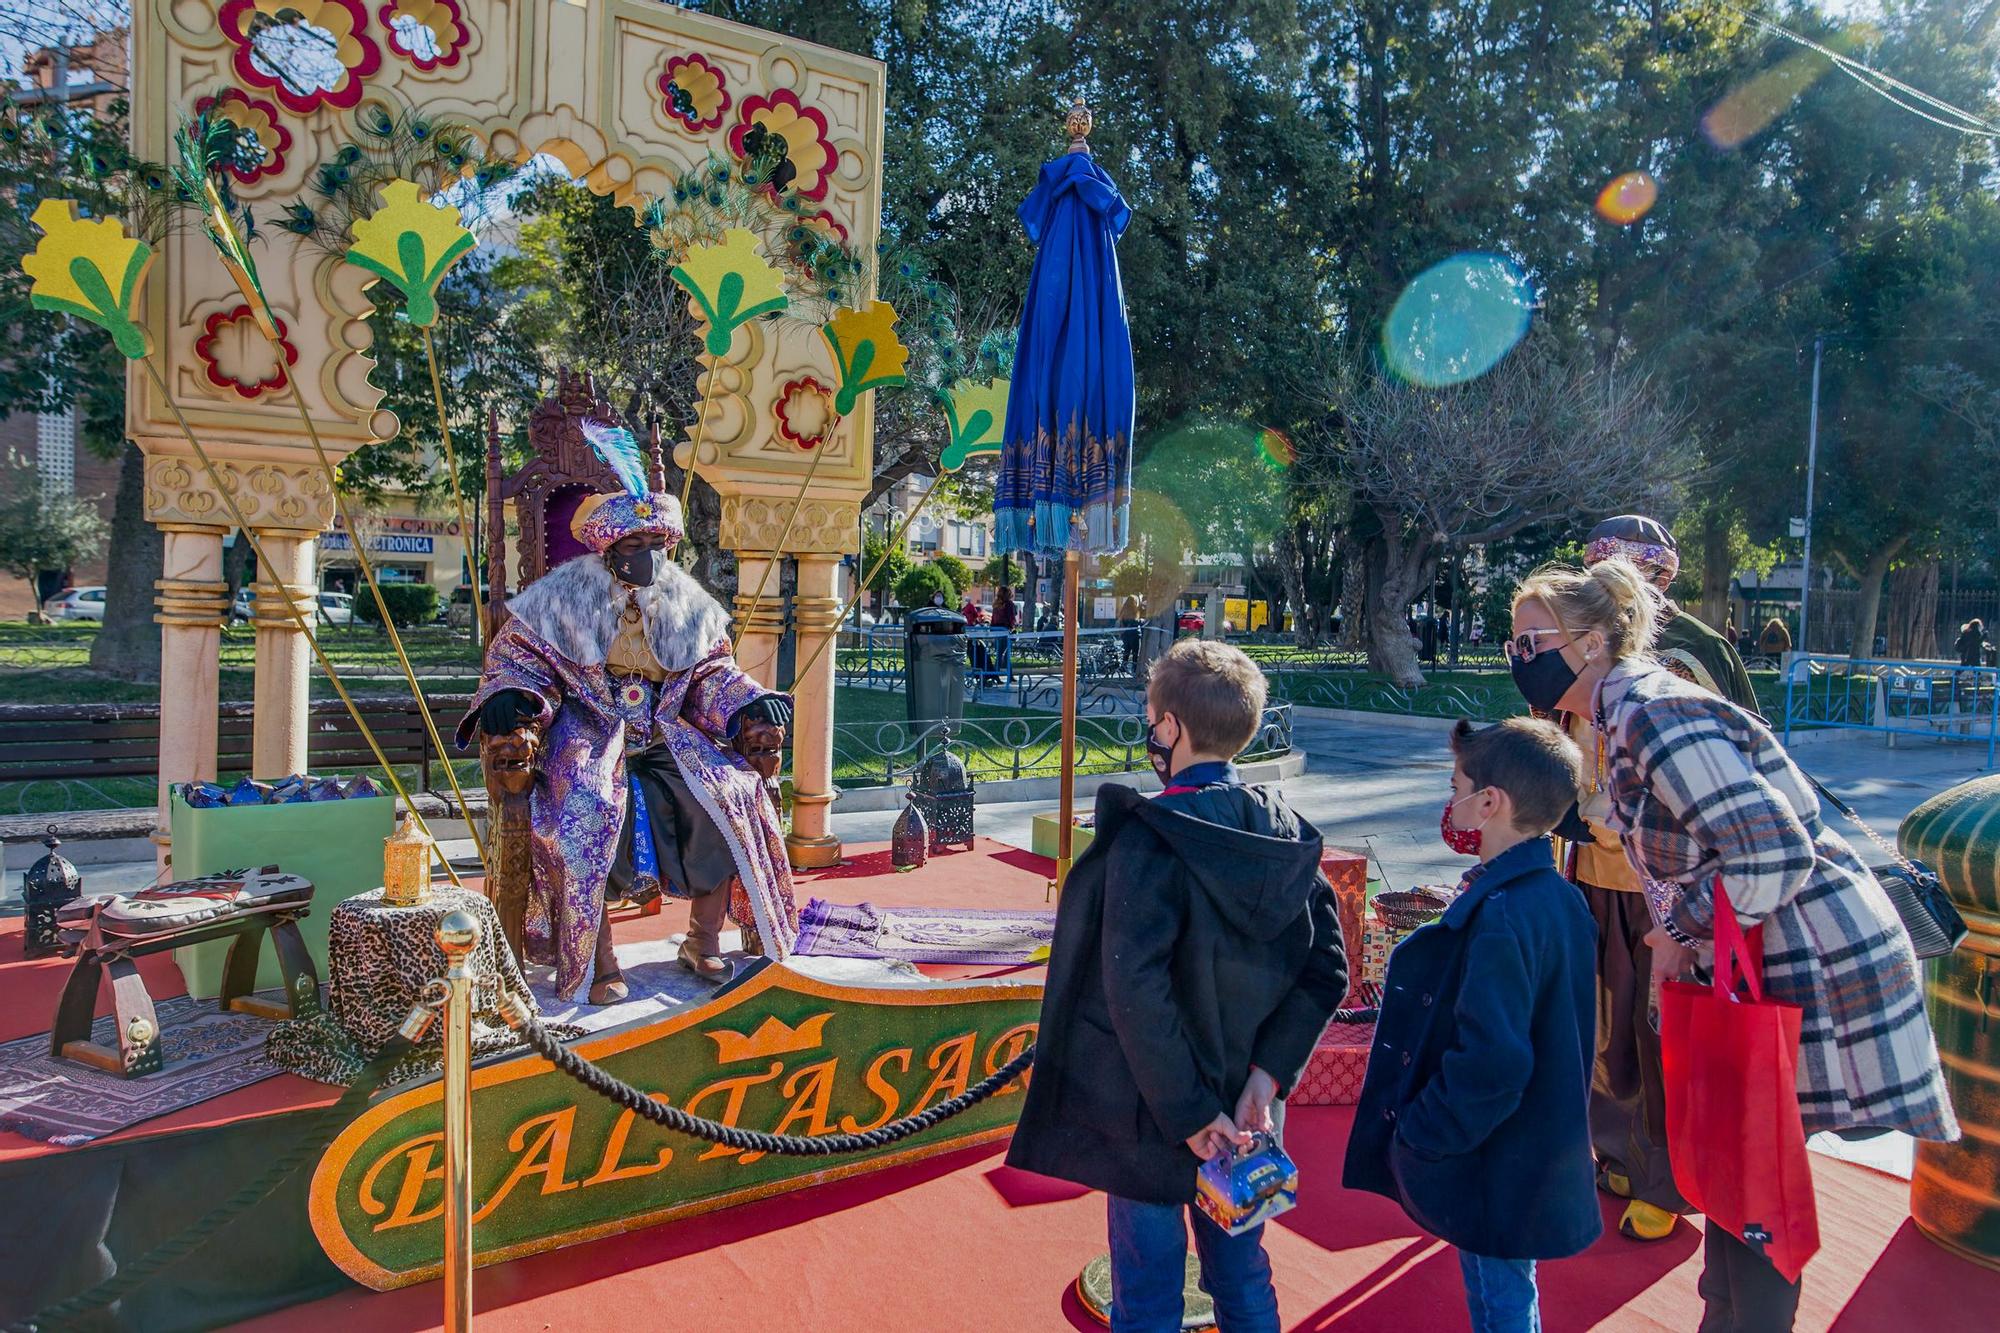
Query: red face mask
{"points": [[1461, 840]]}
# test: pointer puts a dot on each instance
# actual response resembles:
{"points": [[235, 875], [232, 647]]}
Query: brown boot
{"points": [[609, 990], [704, 965]]}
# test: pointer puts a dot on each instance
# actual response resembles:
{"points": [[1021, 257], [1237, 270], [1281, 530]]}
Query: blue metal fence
{"points": [[1895, 698]]}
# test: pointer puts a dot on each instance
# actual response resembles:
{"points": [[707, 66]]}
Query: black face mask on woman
{"points": [[638, 568], [1543, 679]]}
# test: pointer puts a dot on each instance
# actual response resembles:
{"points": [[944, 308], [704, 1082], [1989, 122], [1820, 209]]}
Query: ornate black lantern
{"points": [[910, 840], [47, 885], [942, 789]]}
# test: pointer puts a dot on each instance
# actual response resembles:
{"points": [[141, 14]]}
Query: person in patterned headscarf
{"points": [[650, 749], [1628, 1099]]}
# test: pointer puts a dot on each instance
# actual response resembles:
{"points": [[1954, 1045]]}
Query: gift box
{"points": [[1347, 872], [335, 844], [1242, 1190], [1339, 1063]]}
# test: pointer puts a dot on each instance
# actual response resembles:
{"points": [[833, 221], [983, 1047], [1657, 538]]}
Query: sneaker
{"points": [[1642, 1221]]}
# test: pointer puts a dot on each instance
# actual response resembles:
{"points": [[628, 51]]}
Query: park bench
{"points": [[68, 742]]}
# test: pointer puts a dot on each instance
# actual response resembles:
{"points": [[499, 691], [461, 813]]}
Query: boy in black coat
{"points": [[1197, 959], [1475, 1114]]}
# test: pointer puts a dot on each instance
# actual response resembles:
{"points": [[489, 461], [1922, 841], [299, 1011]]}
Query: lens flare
{"points": [[1457, 319], [1759, 100], [1628, 198], [1277, 448]]}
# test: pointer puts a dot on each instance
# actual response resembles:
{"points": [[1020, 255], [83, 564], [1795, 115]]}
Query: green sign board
{"points": [[554, 1164]]}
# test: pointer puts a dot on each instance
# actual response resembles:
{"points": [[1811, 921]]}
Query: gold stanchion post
{"points": [[1066, 831], [458, 936]]}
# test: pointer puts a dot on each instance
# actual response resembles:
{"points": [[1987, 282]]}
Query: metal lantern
{"points": [[406, 865], [910, 840], [47, 885], [942, 789]]}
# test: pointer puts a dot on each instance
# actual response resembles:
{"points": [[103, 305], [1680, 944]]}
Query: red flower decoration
{"points": [[803, 128], [444, 19], [208, 351], [695, 93], [345, 21], [810, 401], [260, 118]]}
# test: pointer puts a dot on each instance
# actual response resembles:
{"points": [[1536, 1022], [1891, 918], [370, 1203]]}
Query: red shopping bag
{"points": [[1733, 1130]]}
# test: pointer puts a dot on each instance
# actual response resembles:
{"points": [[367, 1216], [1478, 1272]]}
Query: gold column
{"points": [[816, 616], [757, 648], [192, 598], [284, 660], [458, 937]]}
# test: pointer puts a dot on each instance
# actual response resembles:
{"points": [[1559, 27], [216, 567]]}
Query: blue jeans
{"points": [[1501, 1294], [1149, 1268]]}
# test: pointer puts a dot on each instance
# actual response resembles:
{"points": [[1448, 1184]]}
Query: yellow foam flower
{"points": [[90, 269], [977, 414], [866, 351], [410, 244], [730, 283]]}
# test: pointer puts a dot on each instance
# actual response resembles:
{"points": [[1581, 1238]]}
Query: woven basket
{"points": [[1405, 910]]}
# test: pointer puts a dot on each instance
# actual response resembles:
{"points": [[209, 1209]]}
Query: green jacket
{"points": [[1686, 642]]}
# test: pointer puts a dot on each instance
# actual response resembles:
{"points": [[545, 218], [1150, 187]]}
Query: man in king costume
{"points": [[652, 752]]}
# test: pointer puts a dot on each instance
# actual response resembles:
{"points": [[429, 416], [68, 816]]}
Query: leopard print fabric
{"points": [[381, 958]]}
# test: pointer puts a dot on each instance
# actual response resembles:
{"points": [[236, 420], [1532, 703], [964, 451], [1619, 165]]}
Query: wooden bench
{"points": [[54, 742]]}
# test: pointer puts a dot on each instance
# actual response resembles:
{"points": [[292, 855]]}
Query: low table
{"points": [[1047, 831], [136, 1023]]}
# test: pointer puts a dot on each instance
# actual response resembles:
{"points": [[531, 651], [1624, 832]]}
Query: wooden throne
{"points": [[562, 469]]}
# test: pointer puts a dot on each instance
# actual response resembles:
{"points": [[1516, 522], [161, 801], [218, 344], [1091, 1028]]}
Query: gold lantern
{"points": [[406, 865]]}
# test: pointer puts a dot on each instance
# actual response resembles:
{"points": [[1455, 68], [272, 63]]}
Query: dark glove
{"points": [[1573, 827], [775, 709], [505, 710]]}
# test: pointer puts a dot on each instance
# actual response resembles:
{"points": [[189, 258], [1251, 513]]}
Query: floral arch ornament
{"points": [[430, 34], [695, 93], [807, 156], [804, 409], [345, 21], [236, 356], [260, 119]]}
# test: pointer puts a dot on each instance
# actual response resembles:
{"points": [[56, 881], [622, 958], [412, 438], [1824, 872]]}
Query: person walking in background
{"points": [[1474, 1113], [1007, 618], [1702, 792], [1776, 640], [1628, 1108], [1197, 959], [1971, 643]]}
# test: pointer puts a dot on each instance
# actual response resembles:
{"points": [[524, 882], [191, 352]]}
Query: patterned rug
{"points": [[59, 1101], [922, 934]]}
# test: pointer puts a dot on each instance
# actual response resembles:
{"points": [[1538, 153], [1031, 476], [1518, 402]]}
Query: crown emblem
{"points": [[643, 509], [773, 1037]]}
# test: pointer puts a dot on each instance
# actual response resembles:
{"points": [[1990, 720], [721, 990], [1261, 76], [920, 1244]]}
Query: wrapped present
{"points": [[1347, 872], [1339, 1063]]}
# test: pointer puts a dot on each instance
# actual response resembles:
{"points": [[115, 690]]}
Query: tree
{"points": [[43, 530], [892, 570], [921, 583], [1542, 436], [954, 569], [1003, 571]]}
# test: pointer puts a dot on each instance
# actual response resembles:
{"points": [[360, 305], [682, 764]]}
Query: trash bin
{"points": [[934, 664]]}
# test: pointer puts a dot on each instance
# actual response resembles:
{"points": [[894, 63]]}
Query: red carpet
{"points": [[962, 1244]]}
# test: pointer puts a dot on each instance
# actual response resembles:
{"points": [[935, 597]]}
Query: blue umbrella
{"points": [[1065, 483]]}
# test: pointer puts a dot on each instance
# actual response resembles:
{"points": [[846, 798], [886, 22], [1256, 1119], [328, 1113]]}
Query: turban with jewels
{"points": [[602, 519], [1643, 541]]}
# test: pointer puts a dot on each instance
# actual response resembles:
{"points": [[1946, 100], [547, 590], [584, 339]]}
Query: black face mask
{"points": [[638, 568], [1161, 756], [1544, 680]]}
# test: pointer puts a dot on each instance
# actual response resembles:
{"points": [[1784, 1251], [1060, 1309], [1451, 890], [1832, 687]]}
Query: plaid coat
{"points": [[1700, 788]]}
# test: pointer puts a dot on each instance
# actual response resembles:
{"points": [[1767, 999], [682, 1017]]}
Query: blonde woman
{"points": [[1701, 788]]}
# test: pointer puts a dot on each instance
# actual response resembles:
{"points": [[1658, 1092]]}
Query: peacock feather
{"points": [[615, 445]]}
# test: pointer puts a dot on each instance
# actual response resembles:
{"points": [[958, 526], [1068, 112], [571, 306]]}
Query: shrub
{"points": [[409, 604], [954, 569], [915, 588]]}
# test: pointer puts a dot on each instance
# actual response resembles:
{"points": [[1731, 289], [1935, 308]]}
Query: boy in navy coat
{"points": [[1475, 1114]]}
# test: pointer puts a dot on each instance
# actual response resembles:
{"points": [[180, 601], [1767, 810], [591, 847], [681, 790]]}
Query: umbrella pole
{"points": [[1066, 830]]}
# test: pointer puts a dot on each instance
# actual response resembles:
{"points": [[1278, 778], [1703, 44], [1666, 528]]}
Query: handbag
{"points": [[1914, 890], [1734, 1136]]}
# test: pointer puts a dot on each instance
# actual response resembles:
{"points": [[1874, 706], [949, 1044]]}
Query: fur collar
{"points": [[575, 607]]}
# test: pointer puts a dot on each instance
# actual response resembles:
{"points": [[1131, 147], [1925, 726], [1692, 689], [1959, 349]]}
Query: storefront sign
{"points": [[554, 1164], [386, 543]]}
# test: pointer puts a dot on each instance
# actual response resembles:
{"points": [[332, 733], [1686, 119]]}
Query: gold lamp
{"points": [[406, 865]]}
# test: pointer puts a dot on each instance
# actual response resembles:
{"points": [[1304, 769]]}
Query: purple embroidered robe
{"points": [[553, 647]]}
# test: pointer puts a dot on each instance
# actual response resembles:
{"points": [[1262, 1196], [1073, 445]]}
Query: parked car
{"points": [[1192, 622], [335, 608], [77, 604]]}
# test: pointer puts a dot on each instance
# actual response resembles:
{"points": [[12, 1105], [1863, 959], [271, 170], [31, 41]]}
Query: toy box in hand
{"points": [[1242, 1190]]}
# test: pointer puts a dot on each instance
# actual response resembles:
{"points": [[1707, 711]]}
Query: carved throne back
{"points": [[561, 471]]}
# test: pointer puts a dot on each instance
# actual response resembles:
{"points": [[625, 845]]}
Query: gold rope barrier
{"points": [[236, 515]]}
